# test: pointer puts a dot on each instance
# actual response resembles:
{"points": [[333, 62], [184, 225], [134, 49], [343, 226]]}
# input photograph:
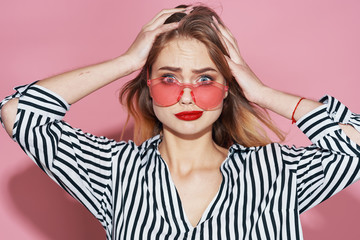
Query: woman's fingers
{"points": [[229, 42], [233, 51], [160, 18], [165, 28], [244, 76], [140, 48]]}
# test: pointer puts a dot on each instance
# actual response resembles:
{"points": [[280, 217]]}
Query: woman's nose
{"points": [[186, 97]]}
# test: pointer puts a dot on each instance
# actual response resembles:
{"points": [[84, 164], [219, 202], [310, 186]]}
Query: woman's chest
{"points": [[245, 200]]}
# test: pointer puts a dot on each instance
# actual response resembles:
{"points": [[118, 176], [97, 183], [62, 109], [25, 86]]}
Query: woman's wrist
{"points": [[125, 65], [262, 96], [284, 103], [78, 83]]}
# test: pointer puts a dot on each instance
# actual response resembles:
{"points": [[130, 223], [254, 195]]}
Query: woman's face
{"points": [[187, 61]]}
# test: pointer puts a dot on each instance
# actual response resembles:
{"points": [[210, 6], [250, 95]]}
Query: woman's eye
{"points": [[205, 79], [169, 79]]}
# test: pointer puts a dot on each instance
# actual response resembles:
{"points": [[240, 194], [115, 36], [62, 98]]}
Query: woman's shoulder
{"points": [[143, 148], [272, 151]]}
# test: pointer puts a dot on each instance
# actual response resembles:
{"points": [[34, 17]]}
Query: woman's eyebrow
{"points": [[197, 71], [202, 70], [172, 69]]}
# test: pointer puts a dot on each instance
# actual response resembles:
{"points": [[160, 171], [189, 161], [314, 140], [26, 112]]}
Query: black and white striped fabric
{"points": [[129, 189]]}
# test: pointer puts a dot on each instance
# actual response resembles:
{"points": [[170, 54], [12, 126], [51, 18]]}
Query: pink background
{"points": [[304, 47]]}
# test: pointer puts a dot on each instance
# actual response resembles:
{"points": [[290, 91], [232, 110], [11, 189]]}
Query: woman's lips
{"points": [[189, 115]]}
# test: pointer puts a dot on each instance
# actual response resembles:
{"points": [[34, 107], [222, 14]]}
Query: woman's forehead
{"points": [[184, 53]]}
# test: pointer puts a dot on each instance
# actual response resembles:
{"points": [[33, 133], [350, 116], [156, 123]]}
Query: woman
{"points": [[194, 103]]}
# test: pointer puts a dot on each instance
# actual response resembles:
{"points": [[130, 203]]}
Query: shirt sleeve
{"points": [[332, 162], [79, 162]]}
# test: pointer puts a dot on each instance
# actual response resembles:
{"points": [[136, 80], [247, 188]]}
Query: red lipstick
{"points": [[189, 115]]}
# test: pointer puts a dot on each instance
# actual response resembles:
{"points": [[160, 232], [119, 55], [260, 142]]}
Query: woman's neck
{"points": [[185, 154]]}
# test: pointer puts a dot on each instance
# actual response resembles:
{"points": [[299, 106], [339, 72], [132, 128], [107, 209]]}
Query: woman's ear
{"points": [[226, 92]]}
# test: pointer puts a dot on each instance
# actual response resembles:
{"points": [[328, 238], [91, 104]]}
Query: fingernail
{"points": [[214, 19], [174, 25], [188, 10], [214, 25]]}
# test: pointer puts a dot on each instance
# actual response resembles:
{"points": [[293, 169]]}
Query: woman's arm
{"points": [[79, 162], [332, 162], [255, 91], [74, 85], [284, 104]]}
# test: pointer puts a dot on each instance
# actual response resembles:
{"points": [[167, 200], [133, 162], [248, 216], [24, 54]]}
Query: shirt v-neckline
{"points": [[167, 199], [163, 191], [210, 207]]}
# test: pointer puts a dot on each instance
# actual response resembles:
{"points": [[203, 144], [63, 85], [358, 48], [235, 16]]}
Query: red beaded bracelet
{"points": [[292, 117]]}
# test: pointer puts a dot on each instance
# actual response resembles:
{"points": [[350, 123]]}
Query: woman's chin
{"points": [[187, 132]]}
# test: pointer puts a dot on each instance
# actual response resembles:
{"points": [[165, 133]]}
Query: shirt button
{"points": [[333, 114]]}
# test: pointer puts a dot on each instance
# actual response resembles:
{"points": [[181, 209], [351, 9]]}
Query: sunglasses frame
{"points": [[150, 83]]}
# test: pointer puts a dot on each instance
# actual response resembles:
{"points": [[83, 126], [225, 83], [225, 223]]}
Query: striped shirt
{"points": [[129, 189]]}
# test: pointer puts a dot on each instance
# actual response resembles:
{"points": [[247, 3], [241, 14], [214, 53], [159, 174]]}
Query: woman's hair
{"points": [[240, 121]]}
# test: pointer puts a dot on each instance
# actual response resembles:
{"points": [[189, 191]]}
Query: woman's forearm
{"points": [[284, 104], [76, 84]]}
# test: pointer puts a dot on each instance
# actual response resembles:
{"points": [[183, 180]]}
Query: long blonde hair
{"points": [[240, 121]]}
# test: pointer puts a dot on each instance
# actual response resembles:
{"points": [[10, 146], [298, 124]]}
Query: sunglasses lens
{"points": [[164, 93], [209, 96]]}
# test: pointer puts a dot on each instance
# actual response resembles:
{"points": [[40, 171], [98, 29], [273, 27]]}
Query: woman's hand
{"points": [[246, 78], [140, 48], [76, 84], [255, 91]]}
